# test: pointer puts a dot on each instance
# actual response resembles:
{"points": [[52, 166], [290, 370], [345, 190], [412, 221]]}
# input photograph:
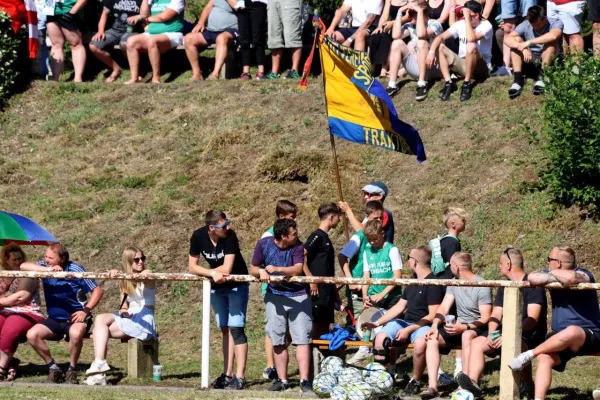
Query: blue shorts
{"points": [[230, 305], [211, 37], [516, 8], [394, 326]]}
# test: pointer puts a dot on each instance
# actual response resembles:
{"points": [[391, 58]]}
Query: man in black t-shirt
{"points": [[454, 221], [219, 246], [320, 261], [534, 324], [418, 304]]}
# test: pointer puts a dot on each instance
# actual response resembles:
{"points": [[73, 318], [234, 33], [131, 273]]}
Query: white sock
{"points": [[528, 355], [392, 84], [458, 364], [440, 371], [422, 83]]}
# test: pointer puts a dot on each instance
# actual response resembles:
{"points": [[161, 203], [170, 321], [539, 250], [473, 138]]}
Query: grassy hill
{"points": [[105, 166]]}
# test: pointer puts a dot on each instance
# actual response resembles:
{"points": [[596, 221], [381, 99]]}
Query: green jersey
{"points": [[173, 25], [354, 252], [381, 264]]}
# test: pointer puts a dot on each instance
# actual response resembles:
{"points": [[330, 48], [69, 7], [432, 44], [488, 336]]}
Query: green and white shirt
{"points": [[173, 25], [381, 264]]}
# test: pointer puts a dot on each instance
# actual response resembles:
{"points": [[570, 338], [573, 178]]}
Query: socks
{"points": [[392, 84], [422, 83], [528, 355], [458, 364], [519, 79], [72, 368], [52, 365]]}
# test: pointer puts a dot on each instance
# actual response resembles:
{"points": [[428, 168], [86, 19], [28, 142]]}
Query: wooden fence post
{"points": [[511, 342], [141, 356]]}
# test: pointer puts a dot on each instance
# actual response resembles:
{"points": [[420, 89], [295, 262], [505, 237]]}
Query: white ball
{"points": [[339, 392], [382, 382], [360, 391], [332, 365], [349, 376], [462, 395], [374, 366], [323, 383]]}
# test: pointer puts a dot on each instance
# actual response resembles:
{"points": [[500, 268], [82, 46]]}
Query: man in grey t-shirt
{"points": [[473, 308], [535, 43]]}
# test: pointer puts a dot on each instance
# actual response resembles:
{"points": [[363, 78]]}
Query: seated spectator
{"points": [[570, 12], [513, 11], [365, 17], [474, 58], [421, 31], [533, 327], [164, 32], [66, 315], [20, 310], [575, 320], [594, 18], [125, 13], [381, 38], [534, 45], [217, 25], [439, 10], [66, 24], [473, 309], [252, 25], [135, 318], [417, 307], [284, 28]]}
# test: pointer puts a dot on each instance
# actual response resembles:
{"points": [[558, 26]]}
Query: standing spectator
{"points": [[365, 17], [219, 246], [164, 32], [44, 61], [570, 12], [284, 25], [374, 191], [19, 310], [252, 25], [122, 11], [135, 318], [66, 24], [67, 316], [513, 12], [575, 320], [594, 17], [474, 59], [533, 43], [380, 40], [287, 304], [444, 247], [217, 25]]}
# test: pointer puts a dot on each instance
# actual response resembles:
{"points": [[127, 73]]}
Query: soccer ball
{"points": [[339, 392], [349, 376], [323, 383], [374, 366], [333, 365], [462, 395], [381, 380], [360, 391]]}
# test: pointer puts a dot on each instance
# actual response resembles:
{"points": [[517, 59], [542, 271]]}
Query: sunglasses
{"points": [[409, 257], [223, 225], [554, 259], [371, 194], [505, 252], [138, 259]]}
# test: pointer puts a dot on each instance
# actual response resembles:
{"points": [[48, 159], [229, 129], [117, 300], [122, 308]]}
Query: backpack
{"points": [[437, 262]]}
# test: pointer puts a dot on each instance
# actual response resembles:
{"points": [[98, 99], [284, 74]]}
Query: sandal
{"points": [[3, 373], [12, 369]]}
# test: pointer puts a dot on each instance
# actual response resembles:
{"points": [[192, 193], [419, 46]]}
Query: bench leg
{"points": [[141, 356], [229, 68], [316, 361]]}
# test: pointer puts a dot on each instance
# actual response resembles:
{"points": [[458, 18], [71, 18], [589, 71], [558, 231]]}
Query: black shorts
{"points": [[594, 10], [532, 342], [388, 302], [590, 346], [453, 341], [68, 21], [211, 37], [60, 329]]}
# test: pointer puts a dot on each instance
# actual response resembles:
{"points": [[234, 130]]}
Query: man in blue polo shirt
{"points": [[66, 315]]}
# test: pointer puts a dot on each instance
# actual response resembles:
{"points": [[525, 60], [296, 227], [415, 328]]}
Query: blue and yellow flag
{"points": [[358, 107]]}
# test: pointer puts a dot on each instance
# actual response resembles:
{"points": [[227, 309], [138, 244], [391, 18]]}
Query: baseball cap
{"points": [[474, 6], [377, 188]]}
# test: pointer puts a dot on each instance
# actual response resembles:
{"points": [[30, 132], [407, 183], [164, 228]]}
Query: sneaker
{"points": [[596, 394], [261, 76], [279, 386], [71, 377], [292, 74], [538, 88], [527, 391], [270, 373], [449, 88], [305, 386], [98, 367], [362, 353], [236, 383], [392, 91], [96, 380], [520, 362], [445, 379], [55, 375], [421, 93], [412, 388], [466, 91], [469, 384], [246, 76], [272, 75], [515, 91], [221, 382], [429, 393]]}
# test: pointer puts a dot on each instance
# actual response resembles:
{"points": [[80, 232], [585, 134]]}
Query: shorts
{"points": [[531, 342], [516, 8], [284, 20], [211, 37], [453, 341], [112, 38], [176, 38], [388, 302], [411, 65], [293, 311], [459, 67], [347, 32], [230, 305], [323, 306], [594, 10], [67, 21], [60, 329], [590, 346], [571, 14], [394, 326]]}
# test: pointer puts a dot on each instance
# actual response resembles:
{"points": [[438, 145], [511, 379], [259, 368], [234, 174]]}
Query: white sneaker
{"points": [[596, 394], [98, 367], [96, 380], [362, 353]]}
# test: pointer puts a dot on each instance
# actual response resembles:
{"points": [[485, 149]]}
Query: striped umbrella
{"points": [[18, 229]]}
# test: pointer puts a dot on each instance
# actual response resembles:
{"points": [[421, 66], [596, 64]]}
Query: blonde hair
{"points": [[423, 255], [7, 251], [463, 259], [570, 256], [515, 257], [451, 212], [128, 287], [373, 228]]}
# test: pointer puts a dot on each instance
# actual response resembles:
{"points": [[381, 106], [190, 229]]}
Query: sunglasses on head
{"points": [[505, 252], [223, 225], [138, 259]]}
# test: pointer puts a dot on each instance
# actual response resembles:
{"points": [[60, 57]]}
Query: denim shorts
{"points": [[394, 326], [230, 305], [516, 8]]}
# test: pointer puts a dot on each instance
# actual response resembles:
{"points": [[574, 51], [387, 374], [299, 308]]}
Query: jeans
{"points": [[230, 305]]}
